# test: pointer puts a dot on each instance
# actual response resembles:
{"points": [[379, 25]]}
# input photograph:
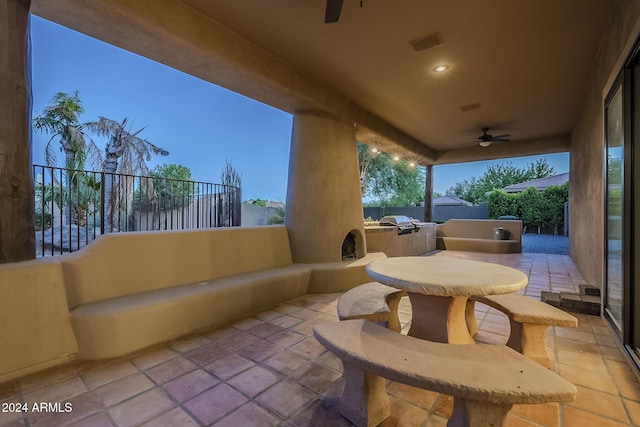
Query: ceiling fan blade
{"points": [[495, 138], [332, 12]]}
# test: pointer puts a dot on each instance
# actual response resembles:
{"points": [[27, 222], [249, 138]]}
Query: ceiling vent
{"points": [[470, 107], [427, 43]]}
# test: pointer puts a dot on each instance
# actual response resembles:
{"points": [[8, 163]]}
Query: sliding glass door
{"points": [[614, 262], [622, 250]]}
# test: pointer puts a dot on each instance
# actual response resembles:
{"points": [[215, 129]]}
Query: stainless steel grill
{"points": [[404, 224]]}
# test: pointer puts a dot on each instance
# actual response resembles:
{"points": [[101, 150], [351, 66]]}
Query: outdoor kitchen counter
{"points": [[439, 288], [385, 238]]}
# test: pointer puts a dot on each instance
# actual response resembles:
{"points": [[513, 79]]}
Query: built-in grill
{"points": [[404, 224]]}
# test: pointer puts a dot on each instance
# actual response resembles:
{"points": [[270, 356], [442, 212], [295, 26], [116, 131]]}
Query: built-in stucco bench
{"points": [[529, 320], [128, 291], [485, 380], [372, 301], [477, 235]]}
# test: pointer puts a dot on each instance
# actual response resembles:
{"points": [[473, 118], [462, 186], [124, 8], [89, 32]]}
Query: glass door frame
{"points": [[629, 81], [619, 327]]}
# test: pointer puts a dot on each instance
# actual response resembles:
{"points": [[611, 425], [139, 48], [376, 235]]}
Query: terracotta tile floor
{"points": [[268, 370]]}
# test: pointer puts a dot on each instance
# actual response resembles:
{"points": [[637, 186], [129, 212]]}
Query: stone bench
{"points": [[372, 301], [485, 380], [529, 320], [476, 235], [475, 244], [127, 291]]}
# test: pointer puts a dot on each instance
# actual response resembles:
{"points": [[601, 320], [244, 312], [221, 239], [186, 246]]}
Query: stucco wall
{"points": [[35, 329], [586, 195]]}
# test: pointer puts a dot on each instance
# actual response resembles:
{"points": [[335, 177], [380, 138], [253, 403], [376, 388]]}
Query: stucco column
{"points": [[428, 194], [324, 203], [17, 239]]}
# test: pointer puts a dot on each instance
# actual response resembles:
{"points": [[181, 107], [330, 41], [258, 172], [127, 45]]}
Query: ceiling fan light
{"points": [[484, 143]]}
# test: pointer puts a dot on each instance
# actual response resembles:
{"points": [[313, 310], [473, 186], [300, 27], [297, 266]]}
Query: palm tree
{"points": [[125, 153], [61, 120]]}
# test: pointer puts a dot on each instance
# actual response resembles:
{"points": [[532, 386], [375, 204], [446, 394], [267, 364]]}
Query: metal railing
{"points": [[73, 207]]}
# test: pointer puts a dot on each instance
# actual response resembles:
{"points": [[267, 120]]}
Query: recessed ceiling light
{"points": [[441, 68]]}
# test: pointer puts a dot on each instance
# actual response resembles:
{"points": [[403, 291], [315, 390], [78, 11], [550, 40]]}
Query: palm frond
{"points": [[127, 151]]}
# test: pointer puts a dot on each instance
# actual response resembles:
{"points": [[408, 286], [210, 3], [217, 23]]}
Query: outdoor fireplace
{"points": [[324, 201], [349, 246]]}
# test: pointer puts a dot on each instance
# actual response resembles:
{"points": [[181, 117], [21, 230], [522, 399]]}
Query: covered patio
{"points": [[267, 370], [540, 71]]}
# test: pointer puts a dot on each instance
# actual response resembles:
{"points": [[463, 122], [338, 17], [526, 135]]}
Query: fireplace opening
{"points": [[349, 246]]}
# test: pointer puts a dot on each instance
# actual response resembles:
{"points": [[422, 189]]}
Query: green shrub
{"points": [[553, 209], [502, 203], [535, 208]]}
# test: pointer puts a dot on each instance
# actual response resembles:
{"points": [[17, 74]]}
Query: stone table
{"points": [[439, 287]]}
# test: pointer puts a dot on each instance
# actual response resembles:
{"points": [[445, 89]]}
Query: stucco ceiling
{"points": [[526, 62]]}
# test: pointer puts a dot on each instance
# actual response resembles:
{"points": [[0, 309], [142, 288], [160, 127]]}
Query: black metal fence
{"points": [[73, 207]]}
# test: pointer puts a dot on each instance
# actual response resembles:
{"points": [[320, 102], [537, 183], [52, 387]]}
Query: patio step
{"points": [[576, 303]]}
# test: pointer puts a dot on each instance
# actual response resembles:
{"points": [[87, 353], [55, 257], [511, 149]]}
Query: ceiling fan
{"points": [[485, 139], [332, 12]]}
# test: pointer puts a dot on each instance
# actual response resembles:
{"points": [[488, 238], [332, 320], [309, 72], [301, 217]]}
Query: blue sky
{"points": [[200, 124]]}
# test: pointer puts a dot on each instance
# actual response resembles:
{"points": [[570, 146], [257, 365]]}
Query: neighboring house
{"points": [[253, 215], [541, 183], [450, 207], [450, 201]]}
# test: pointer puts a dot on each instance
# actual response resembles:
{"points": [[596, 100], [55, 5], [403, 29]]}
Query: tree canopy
{"points": [[476, 190], [125, 151], [172, 184], [389, 182], [61, 120], [171, 171]]}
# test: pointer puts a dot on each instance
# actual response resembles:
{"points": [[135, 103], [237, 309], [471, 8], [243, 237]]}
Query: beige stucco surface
{"points": [[121, 264], [386, 239], [35, 330], [446, 277], [469, 371], [126, 291], [121, 325], [586, 175], [477, 235], [324, 202], [184, 282], [485, 380]]}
